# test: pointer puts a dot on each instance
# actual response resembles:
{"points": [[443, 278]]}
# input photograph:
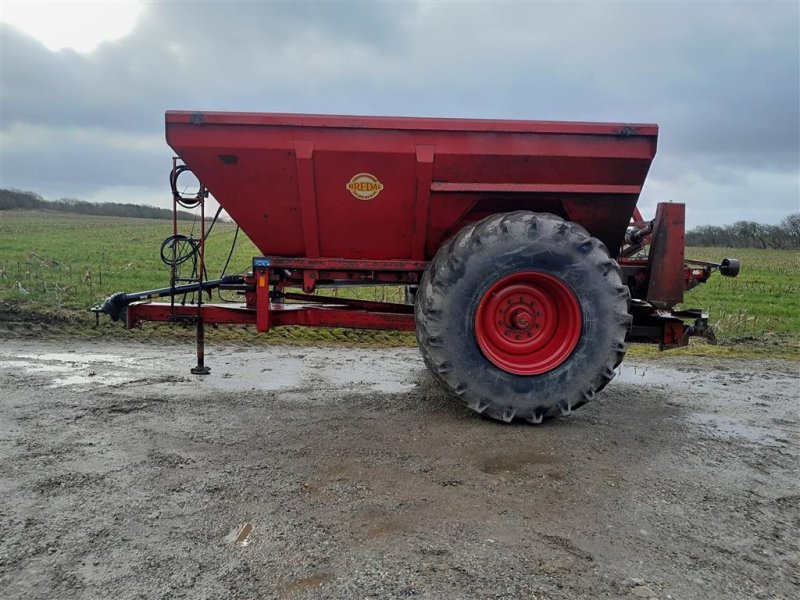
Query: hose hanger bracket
{"points": [[185, 200]]}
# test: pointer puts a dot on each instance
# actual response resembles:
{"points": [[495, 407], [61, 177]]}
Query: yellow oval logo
{"points": [[364, 186]]}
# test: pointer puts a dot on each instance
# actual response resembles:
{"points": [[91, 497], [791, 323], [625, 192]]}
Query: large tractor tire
{"points": [[522, 316]]}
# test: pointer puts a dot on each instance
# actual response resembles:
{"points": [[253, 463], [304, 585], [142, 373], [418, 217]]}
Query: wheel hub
{"points": [[528, 323], [520, 318]]}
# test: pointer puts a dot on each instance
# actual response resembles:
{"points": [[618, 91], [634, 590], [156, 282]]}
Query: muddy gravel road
{"points": [[345, 473]]}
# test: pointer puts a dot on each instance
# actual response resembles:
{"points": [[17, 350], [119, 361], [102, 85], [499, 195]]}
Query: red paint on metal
{"points": [[293, 169], [425, 155], [528, 323], [386, 307], [309, 273], [407, 123], [608, 217], [694, 276], [666, 277], [315, 316], [657, 326], [310, 277], [280, 315], [535, 188], [342, 264], [673, 336], [306, 189], [210, 313], [262, 300]]}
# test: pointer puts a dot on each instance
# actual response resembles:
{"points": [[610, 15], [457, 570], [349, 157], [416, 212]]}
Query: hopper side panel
{"points": [[251, 169]]}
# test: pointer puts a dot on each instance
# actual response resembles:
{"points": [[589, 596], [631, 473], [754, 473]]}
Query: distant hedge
{"points": [[16, 199], [748, 234]]}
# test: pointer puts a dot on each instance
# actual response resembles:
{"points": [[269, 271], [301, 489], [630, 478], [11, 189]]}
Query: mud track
{"points": [[345, 473]]}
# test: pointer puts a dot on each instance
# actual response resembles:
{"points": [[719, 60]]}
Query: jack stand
{"points": [[701, 328], [201, 368]]}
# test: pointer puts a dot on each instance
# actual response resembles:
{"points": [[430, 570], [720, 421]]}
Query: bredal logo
{"points": [[364, 186]]}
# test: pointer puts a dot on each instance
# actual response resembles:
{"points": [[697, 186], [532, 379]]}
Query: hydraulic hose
{"points": [[185, 200]]}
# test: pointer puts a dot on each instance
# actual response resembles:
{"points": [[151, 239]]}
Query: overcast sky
{"points": [[721, 79]]}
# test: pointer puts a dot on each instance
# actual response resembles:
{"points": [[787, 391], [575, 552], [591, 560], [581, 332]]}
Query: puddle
{"points": [[388, 379], [274, 370], [725, 427], [267, 376], [648, 374], [89, 379], [377, 371], [69, 369], [76, 357], [36, 368]]}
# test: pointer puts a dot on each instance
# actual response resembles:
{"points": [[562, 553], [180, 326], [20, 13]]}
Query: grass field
{"points": [[763, 300], [56, 266], [68, 262]]}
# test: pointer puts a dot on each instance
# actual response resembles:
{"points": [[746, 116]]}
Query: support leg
{"points": [[201, 368]]}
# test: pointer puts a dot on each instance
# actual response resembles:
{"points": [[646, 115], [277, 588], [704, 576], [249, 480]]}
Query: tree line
{"points": [[748, 234], [16, 199]]}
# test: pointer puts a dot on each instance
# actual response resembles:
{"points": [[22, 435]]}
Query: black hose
{"points": [[213, 222], [185, 200], [230, 253], [227, 262], [191, 247], [183, 248]]}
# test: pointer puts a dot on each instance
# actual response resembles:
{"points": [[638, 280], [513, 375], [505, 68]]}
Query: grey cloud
{"points": [[80, 164], [722, 80]]}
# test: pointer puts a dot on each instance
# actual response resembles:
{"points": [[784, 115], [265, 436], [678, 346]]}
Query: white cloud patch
{"points": [[81, 26]]}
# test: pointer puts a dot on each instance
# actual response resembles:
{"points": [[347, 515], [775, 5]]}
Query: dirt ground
{"points": [[345, 473]]}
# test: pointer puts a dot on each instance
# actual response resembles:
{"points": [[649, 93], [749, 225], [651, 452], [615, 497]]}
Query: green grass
{"points": [[56, 261], [55, 266], [68, 262], [763, 301]]}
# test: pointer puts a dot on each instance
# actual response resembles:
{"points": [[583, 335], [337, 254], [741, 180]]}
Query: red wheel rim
{"points": [[528, 323]]}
